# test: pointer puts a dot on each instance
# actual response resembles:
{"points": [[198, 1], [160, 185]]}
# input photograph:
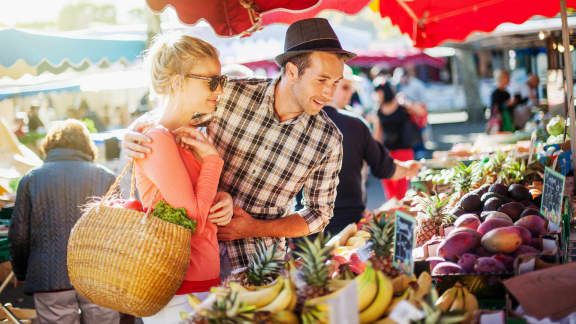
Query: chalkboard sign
{"points": [[552, 196], [404, 242]]}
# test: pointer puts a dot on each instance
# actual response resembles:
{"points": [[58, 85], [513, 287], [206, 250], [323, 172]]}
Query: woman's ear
{"points": [[175, 83]]}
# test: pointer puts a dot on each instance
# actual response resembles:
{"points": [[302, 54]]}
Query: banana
{"points": [[386, 320], [459, 302], [447, 298], [282, 300], [424, 285], [381, 302], [471, 304], [367, 287], [285, 317], [401, 283], [260, 297], [294, 299]]}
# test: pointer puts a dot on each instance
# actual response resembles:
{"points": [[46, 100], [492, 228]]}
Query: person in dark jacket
{"points": [[396, 130], [358, 147], [48, 204]]}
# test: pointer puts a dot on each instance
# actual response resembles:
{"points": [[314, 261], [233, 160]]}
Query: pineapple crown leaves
{"points": [[434, 206], [466, 176], [265, 265], [229, 310], [381, 235], [315, 254]]}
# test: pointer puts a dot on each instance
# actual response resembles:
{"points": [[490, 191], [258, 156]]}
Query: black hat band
{"points": [[317, 44]]}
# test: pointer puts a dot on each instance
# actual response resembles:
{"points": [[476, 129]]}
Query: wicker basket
{"points": [[127, 260]]}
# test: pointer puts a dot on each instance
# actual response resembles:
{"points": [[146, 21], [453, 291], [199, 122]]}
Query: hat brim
{"points": [[282, 58]]}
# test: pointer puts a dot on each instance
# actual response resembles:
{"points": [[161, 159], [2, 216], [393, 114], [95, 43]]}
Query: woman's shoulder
{"points": [[159, 132]]}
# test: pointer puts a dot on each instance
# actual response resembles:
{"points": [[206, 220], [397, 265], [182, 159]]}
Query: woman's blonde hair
{"points": [[171, 56], [69, 134]]}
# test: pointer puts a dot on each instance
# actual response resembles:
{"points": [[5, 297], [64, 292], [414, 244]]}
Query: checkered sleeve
{"points": [[319, 191]]}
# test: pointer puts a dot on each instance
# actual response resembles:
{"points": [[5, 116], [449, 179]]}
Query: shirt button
{"points": [[253, 171]]}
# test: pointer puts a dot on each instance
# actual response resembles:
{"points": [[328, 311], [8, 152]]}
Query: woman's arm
{"points": [[165, 168]]}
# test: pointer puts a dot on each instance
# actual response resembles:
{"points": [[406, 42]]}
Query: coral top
{"points": [[182, 181]]}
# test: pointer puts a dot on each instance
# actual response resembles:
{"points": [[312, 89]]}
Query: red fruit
{"points": [[133, 204], [486, 265], [524, 234], [491, 224], [446, 268], [506, 260], [339, 259], [535, 224], [468, 220], [457, 244], [356, 263]]}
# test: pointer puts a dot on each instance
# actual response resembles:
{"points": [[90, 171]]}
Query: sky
{"points": [[12, 12]]}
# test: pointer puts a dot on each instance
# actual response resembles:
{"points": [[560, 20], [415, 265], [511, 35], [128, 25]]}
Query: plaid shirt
{"points": [[267, 162]]}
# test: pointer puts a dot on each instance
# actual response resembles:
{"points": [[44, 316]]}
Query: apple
{"points": [[133, 204]]}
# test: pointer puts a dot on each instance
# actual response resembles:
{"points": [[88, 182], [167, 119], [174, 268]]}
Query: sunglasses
{"points": [[214, 80]]}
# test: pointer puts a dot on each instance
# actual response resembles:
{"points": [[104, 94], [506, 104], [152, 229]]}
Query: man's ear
{"points": [[292, 71]]}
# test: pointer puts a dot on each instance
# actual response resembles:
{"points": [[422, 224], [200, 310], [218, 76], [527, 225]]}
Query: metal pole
{"points": [[568, 78]]}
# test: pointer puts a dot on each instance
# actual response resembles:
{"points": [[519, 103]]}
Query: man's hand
{"points": [[134, 141], [222, 211], [413, 168], [406, 169], [241, 226]]}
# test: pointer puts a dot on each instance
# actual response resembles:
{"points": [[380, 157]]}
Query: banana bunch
{"points": [[458, 298], [372, 303], [413, 291], [276, 297]]}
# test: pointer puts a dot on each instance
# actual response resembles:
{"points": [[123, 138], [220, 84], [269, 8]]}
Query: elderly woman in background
{"points": [[47, 207]]}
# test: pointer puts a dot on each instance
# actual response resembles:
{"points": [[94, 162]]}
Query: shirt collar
{"points": [[269, 103]]}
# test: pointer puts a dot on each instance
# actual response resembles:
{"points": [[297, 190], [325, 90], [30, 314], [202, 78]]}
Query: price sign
{"points": [[404, 242], [552, 195]]}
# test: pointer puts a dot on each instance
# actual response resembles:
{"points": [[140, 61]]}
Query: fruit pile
{"points": [[497, 224]]}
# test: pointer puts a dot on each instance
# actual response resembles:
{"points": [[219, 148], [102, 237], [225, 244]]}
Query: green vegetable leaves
{"points": [[173, 215]]}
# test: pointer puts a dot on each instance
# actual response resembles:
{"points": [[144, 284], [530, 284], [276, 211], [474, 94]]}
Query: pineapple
{"points": [[314, 270], [265, 266], [228, 310], [433, 213], [382, 239], [467, 178]]}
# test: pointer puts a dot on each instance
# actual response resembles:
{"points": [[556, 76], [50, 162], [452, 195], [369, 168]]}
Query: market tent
{"points": [[229, 18], [35, 53]]}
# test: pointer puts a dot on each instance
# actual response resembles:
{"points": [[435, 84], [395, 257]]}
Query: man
{"points": [[276, 140], [359, 146]]}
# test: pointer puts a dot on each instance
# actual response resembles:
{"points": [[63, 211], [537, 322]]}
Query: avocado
{"points": [[470, 202], [499, 188], [519, 193], [512, 209], [493, 204]]}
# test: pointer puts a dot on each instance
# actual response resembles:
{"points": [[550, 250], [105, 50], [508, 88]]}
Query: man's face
{"points": [[315, 86], [343, 93]]}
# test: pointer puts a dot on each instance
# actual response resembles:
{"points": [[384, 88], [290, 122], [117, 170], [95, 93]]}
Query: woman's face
{"points": [[195, 95]]}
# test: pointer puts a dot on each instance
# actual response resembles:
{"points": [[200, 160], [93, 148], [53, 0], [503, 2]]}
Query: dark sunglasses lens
{"points": [[213, 83]]}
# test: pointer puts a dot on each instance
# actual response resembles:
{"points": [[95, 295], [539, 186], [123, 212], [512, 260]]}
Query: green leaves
{"points": [[173, 215]]}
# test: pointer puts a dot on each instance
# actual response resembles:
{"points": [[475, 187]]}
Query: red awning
{"points": [[229, 17], [431, 22]]}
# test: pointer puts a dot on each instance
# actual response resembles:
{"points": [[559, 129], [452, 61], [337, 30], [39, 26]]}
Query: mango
{"points": [[524, 234], [446, 268], [535, 224], [486, 265], [497, 215], [468, 220], [526, 250], [491, 224], [458, 243], [502, 240], [467, 261]]}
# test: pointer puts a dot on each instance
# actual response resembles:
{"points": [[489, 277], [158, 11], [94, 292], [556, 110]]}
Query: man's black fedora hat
{"points": [[310, 35]]}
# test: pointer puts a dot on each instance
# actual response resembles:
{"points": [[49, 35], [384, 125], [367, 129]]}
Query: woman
{"points": [[47, 207], [502, 104], [395, 129], [185, 74]]}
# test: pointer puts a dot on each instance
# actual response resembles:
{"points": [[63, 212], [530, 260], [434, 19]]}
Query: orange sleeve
{"points": [[166, 169]]}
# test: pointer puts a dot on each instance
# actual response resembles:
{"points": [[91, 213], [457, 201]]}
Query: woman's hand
{"points": [[134, 141], [223, 209], [193, 139]]}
